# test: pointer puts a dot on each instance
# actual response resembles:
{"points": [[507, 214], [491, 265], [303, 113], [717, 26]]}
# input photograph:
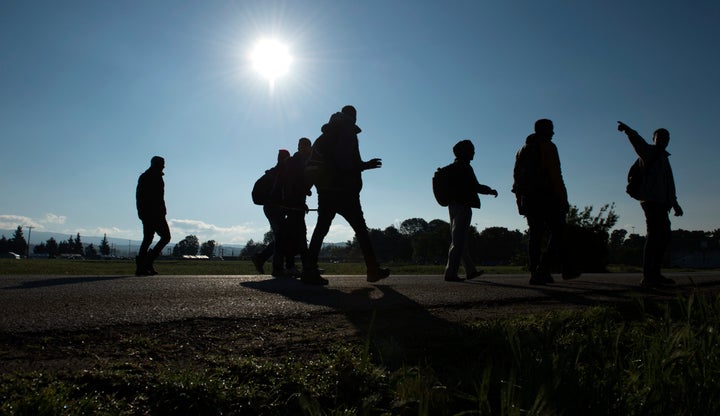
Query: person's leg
{"points": [[460, 217], [326, 214], [276, 217], [556, 254], [351, 210], [163, 230], [656, 241], [470, 270], [536, 228], [142, 256]]}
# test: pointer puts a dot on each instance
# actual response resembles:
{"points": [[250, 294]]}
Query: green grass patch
{"points": [[642, 358], [199, 267]]}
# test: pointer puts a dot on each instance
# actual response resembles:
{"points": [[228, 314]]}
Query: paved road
{"points": [[35, 303]]}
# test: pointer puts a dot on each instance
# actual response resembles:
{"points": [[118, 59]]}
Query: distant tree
{"points": [[617, 237], [77, 245], [52, 247], [67, 247], [615, 246], [188, 246], [18, 244], [208, 248], [268, 238], [399, 246], [40, 248], [431, 245], [104, 246], [91, 251], [413, 226], [251, 247], [498, 245], [4, 244], [588, 235]]}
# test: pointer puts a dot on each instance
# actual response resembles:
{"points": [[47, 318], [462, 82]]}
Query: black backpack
{"points": [[264, 186], [443, 185]]}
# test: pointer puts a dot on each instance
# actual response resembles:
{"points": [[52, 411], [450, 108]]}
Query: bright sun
{"points": [[271, 59]]}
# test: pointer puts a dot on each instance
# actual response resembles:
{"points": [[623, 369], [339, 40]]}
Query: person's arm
{"points": [[372, 164], [642, 148], [482, 189]]}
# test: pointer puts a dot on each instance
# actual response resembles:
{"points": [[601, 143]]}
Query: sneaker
{"points": [[541, 278], [570, 274], [665, 280], [293, 272], [258, 264], [312, 277], [474, 274], [453, 279], [379, 274]]}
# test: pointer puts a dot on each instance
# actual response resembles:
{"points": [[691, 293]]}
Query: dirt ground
{"points": [[196, 343]]}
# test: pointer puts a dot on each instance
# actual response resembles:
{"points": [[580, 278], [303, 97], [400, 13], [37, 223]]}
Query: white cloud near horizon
{"points": [[51, 218], [235, 234], [11, 222]]}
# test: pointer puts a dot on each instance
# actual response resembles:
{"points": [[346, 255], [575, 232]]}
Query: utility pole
{"points": [[29, 227]]}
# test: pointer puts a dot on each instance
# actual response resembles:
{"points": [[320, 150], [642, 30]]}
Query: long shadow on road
{"points": [[399, 327]]}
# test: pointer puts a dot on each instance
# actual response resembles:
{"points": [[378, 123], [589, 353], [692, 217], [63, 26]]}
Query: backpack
{"points": [[442, 185], [263, 188], [636, 179], [526, 172]]}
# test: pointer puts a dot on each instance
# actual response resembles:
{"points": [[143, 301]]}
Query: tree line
{"points": [[593, 243]]}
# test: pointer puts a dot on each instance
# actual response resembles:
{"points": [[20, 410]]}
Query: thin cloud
{"points": [[235, 234], [51, 218], [9, 222]]}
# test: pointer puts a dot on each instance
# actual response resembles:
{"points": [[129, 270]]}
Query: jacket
{"points": [[336, 156], [658, 183], [150, 195], [538, 174], [465, 185]]}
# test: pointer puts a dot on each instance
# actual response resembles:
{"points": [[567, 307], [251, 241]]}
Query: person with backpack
{"points": [[295, 190], [542, 198], [268, 193], [462, 196], [336, 169], [653, 184]]}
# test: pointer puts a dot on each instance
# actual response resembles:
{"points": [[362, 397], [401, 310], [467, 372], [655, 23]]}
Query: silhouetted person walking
{"points": [[542, 199], [465, 190], [338, 180], [295, 190], [275, 214], [656, 193], [150, 201]]}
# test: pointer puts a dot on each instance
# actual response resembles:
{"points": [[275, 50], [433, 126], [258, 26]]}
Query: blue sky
{"points": [[91, 90]]}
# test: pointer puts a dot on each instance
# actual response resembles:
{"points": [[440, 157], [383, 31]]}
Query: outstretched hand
{"points": [[623, 127], [494, 193], [373, 163]]}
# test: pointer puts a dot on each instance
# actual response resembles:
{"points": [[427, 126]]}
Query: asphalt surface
{"points": [[39, 303]]}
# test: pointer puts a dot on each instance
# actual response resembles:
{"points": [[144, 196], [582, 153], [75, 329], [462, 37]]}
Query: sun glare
{"points": [[271, 59]]}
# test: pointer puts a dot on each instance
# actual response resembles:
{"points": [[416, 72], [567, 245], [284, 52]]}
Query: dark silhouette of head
{"points": [[544, 128], [464, 150], [304, 145], [661, 138], [157, 162], [350, 111], [282, 155]]}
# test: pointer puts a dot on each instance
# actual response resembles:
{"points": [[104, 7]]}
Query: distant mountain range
{"points": [[120, 247]]}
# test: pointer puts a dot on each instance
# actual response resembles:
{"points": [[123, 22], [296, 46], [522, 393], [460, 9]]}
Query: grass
{"points": [[643, 358], [198, 267]]}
